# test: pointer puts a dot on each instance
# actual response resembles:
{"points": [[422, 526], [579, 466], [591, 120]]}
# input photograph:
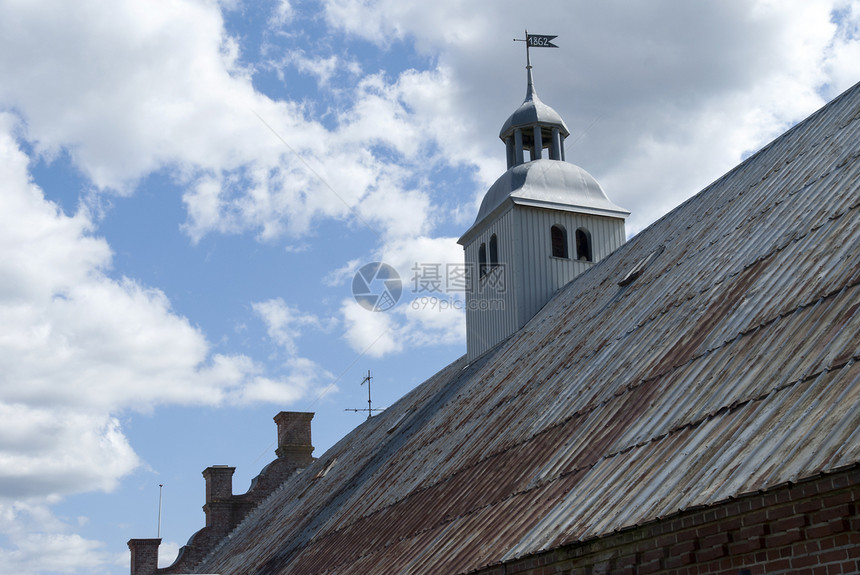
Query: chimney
{"points": [[224, 510], [219, 491], [294, 438], [144, 556]]}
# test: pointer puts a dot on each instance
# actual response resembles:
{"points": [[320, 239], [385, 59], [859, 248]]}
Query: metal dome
{"points": [[549, 184]]}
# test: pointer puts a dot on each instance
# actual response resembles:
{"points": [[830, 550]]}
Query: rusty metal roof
{"points": [[725, 366]]}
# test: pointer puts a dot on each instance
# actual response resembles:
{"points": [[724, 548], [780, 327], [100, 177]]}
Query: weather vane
{"points": [[369, 409], [536, 41]]}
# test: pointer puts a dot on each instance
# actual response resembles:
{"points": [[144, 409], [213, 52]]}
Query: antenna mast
{"points": [[369, 409]]}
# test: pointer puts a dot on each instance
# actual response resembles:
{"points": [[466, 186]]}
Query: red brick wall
{"points": [[808, 528]]}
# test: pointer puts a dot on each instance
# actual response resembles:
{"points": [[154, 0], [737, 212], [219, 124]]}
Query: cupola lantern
{"points": [[542, 223]]}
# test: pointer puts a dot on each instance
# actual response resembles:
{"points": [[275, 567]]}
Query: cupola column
{"points": [[555, 151], [531, 128], [518, 147], [538, 137]]}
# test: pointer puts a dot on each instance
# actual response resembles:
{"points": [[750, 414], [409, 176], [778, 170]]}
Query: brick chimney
{"points": [[219, 495], [144, 556], [294, 437], [219, 482]]}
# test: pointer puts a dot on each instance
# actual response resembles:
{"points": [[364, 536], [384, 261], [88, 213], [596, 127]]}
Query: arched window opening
{"points": [[482, 260], [558, 236], [494, 251], [583, 245]]}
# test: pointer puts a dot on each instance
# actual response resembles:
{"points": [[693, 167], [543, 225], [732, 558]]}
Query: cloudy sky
{"points": [[187, 188]]}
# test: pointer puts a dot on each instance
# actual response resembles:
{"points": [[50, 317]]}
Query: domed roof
{"points": [[549, 184], [533, 111]]}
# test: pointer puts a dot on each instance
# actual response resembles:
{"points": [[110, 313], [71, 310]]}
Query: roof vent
{"points": [[639, 268], [399, 420], [324, 471]]}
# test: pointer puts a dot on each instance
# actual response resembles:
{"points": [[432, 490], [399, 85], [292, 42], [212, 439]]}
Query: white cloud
{"points": [[58, 452], [430, 23], [343, 274], [124, 84], [844, 54], [285, 322], [167, 553], [374, 334], [44, 544], [284, 326], [131, 90], [303, 376], [78, 347], [282, 14], [417, 321], [404, 254], [432, 320], [323, 69]]}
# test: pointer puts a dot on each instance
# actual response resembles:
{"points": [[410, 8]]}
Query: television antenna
{"points": [[369, 409]]}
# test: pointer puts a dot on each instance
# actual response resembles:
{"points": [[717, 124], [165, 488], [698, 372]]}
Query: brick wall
{"points": [[808, 528]]}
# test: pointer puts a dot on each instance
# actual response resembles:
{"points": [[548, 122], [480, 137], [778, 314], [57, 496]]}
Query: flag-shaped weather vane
{"points": [[536, 41]]}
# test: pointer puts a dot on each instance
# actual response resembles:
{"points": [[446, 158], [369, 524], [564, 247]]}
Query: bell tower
{"points": [[541, 224]]}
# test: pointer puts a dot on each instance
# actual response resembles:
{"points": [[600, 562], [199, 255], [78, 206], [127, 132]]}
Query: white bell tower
{"points": [[542, 223]]}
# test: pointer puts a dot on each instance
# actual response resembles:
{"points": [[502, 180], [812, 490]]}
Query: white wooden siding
{"points": [[485, 327], [532, 274]]}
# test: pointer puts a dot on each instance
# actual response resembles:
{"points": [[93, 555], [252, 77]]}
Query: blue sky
{"points": [[188, 188]]}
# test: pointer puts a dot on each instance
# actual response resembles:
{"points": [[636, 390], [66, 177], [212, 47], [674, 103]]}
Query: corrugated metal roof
{"points": [[726, 367]]}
